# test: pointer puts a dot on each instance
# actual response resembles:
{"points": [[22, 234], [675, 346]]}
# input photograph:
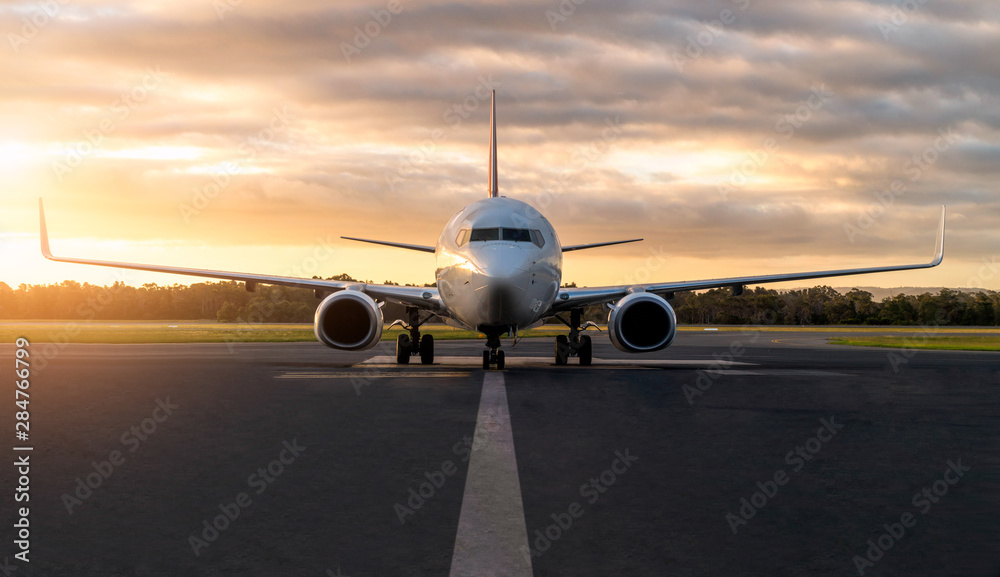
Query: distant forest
{"points": [[229, 302]]}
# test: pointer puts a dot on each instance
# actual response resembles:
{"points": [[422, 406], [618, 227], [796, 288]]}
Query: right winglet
{"points": [[939, 247]]}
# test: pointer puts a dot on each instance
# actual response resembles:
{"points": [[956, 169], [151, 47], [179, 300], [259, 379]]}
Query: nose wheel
{"points": [[493, 357], [574, 345], [413, 344]]}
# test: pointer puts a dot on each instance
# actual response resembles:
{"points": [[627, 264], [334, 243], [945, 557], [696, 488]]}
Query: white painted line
{"points": [[637, 362], [373, 375], [492, 536]]}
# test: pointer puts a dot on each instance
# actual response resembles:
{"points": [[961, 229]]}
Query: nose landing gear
{"points": [[575, 344], [413, 344], [494, 356]]}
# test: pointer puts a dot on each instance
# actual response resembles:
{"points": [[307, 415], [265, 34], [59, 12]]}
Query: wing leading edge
{"points": [[573, 298], [426, 298]]}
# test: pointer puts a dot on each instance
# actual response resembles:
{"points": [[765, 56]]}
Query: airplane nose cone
{"points": [[502, 262], [503, 274]]}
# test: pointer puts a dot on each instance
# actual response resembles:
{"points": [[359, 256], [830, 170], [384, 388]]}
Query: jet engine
{"points": [[641, 323], [349, 320]]}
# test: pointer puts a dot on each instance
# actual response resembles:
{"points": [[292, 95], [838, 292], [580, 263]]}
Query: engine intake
{"points": [[348, 320], [642, 323]]}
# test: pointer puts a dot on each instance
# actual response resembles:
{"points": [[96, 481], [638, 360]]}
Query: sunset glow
{"points": [[241, 136]]}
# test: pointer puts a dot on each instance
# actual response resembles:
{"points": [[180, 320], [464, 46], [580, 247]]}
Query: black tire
{"points": [[586, 351], [486, 360], [427, 349], [403, 350], [562, 349], [500, 360]]}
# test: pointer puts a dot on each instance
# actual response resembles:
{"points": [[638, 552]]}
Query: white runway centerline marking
{"points": [[492, 536]]}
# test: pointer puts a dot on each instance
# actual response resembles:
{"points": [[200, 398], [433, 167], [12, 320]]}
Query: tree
{"points": [[227, 313]]}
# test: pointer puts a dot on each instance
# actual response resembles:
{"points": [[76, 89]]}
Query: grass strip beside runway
{"points": [[962, 343]]}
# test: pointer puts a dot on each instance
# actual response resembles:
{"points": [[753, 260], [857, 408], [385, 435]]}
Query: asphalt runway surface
{"points": [[730, 453]]}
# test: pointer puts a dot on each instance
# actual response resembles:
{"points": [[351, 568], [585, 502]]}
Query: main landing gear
{"points": [[575, 344], [413, 344], [493, 356]]}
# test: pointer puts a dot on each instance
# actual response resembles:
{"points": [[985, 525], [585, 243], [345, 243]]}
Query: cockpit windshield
{"points": [[506, 234]]}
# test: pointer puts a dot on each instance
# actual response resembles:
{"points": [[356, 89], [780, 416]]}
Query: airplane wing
{"points": [[426, 298], [570, 298], [418, 247], [596, 244]]}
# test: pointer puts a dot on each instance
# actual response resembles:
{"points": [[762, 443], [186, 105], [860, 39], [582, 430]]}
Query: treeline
{"points": [[228, 301], [825, 306], [224, 301]]}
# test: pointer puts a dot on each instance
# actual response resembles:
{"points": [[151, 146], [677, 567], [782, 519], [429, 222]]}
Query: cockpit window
{"points": [[517, 234], [507, 234], [485, 234]]}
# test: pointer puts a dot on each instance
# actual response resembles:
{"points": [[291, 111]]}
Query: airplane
{"points": [[499, 272]]}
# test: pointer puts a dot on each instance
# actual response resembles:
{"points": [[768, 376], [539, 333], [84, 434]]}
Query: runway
{"points": [[730, 453]]}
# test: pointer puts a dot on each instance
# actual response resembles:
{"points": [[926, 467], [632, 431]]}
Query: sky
{"points": [[735, 136]]}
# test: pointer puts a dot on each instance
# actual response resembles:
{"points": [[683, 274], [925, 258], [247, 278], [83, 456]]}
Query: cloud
{"points": [[388, 120]]}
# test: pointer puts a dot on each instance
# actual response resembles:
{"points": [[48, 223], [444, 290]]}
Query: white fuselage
{"points": [[499, 265]]}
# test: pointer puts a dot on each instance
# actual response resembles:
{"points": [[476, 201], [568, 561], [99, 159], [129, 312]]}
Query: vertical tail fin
{"points": [[494, 192]]}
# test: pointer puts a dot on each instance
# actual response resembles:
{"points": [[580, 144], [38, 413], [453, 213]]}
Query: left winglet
{"points": [[43, 232]]}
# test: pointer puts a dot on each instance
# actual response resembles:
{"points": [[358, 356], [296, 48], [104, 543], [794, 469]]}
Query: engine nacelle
{"points": [[348, 320], [642, 323]]}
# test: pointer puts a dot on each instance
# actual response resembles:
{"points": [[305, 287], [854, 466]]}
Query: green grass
{"points": [[964, 343]]}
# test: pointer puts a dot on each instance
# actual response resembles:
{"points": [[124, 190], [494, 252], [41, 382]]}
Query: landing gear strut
{"points": [[413, 344], [575, 344], [493, 356]]}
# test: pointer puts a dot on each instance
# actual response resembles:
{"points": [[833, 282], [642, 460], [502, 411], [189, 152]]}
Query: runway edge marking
{"points": [[492, 536]]}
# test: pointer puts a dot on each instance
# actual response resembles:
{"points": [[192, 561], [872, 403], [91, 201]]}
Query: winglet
{"points": [[493, 146], [939, 247], [43, 232]]}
